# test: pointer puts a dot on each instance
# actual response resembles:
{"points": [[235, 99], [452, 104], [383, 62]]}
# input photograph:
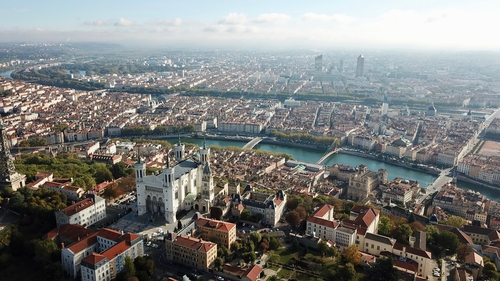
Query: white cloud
{"points": [[272, 18], [214, 28], [336, 18], [124, 22], [98, 22], [167, 22], [234, 18]]}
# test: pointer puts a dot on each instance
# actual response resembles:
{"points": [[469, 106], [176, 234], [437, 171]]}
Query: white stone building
{"points": [[85, 213], [185, 186], [101, 255]]}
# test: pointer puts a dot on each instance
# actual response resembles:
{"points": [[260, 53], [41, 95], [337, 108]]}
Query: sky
{"points": [[416, 24]]}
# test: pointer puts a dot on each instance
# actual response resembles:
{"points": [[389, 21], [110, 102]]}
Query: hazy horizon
{"points": [[359, 24]]}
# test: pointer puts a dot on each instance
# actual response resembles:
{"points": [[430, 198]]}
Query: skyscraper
{"points": [[360, 66], [318, 63]]}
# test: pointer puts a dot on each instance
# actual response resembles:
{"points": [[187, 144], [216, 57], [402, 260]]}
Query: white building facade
{"points": [[185, 186]]}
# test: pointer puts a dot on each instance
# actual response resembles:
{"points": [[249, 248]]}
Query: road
{"points": [[444, 177]]}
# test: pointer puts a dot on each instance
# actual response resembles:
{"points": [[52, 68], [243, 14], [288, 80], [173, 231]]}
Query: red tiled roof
{"points": [[83, 244], [109, 234], [253, 272], [93, 258], [69, 231], [77, 207], [322, 211], [411, 250], [129, 237], [324, 222], [194, 243], [216, 224], [116, 250]]}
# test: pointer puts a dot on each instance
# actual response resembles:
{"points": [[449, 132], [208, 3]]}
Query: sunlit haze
{"points": [[360, 24]]}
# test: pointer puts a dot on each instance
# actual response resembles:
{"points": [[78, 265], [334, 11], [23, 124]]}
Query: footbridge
{"points": [[251, 144], [327, 154]]}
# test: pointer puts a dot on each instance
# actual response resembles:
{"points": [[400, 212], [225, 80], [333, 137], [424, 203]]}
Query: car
{"points": [[220, 278], [252, 227], [148, 244]]}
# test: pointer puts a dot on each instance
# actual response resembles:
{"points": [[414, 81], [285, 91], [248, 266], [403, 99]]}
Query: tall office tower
{"points": [[359, 67], [318, 63], [341, 66], [8, 174]]}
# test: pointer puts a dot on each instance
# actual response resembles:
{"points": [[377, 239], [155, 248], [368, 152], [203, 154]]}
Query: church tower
{"points": [[8, 174], [207, 182], [204, 153], [140, 169], [179, 149]]}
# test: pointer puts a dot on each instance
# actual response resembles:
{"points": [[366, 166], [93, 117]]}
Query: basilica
{"points": [[186, 185]]}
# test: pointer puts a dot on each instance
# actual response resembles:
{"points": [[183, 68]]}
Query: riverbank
{"points": [[474, 181], [399, 164]]}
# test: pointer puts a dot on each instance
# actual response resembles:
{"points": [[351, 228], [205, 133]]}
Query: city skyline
{"points": [[361, 24]]}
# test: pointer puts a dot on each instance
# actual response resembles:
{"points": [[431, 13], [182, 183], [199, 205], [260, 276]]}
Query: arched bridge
{"points": [[251, 144], [327, 154]]}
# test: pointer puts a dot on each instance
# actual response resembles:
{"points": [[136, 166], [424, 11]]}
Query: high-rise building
{"points": [[360, 66], [8, 174], [318, 63]]}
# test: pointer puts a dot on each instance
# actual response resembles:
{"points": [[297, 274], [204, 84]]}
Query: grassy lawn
{"points": [[273, 267], [285, 255], [285, 273]]}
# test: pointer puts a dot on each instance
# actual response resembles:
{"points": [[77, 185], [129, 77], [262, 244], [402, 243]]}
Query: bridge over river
{"points": [[251, 144]]}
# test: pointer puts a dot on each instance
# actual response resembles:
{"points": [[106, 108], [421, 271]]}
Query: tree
{"points": [[382, 270], [323, 248], [273, 278], [119, 170], [301, 211], [431, 231], [264, 245], [127, 271], [273, 257], [462, 251], [223, 252], [347, 272], [47, 251], [490, 270], [352, 255], [448, 240], [255, 237], [384, 226], [249, 257], [417, 226], [293, 218], [401, 233], [218, 262], [274, 243], [455, 221], [246, 214], [102, 174]]}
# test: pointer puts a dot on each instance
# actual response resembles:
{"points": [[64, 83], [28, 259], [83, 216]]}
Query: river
{"points": [[312, 155], [7, 73]]}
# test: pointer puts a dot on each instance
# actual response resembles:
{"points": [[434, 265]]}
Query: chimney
{"points": [[62, 245], [411, 241]]}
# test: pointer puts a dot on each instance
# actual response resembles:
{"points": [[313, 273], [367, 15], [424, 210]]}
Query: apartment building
{"points": [[482, 236], [84, 258], [73, 193], [85, 212], [271, 206], [190, 251], [400, 190], [322, 223], [222, 233]]}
